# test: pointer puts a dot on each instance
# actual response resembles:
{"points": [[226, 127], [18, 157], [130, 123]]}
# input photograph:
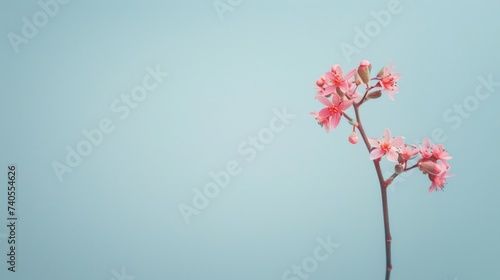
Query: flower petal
{"points": [[345, 105], [387, 135], [344, 87], [324, 113], [350, 74], [376, 153], [387, 70], [329, 75], [397, 142], [327, 128], [336, 100], [324, 100], [392, 156], [374, 142], [328, 90], [336, 69], [426, 143], [391, 95], [334, 121]]}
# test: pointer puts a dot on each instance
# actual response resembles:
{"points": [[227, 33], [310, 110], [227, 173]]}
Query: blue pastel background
{"points": [[116, 215]]}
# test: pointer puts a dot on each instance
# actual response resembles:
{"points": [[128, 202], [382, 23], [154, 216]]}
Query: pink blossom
{"points": [[334, 79], [434, 162], [387, 146], [441, 154], [321, 121], [434, 151], [388, 81], [407, 152], [333, 110], [438, 181], [426, 149]]}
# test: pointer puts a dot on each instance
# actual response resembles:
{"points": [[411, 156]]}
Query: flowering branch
{"points": [[341, 90], [383, 186]]}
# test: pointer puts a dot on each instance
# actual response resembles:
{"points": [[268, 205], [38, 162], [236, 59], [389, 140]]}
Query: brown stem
{"points": [[383, 186], [368, 88], [409, 168], [387, 230], [390, 179], [361, 129]]}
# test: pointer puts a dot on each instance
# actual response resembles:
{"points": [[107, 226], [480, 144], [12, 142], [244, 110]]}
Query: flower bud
{"points": [[430, 167], [357, 79], [374, 94], [320, 82], [364, 71], [398, 168], [353, 138]]}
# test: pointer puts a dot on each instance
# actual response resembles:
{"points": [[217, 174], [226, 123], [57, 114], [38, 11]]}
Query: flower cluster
{"points": [[434, 162], [338, 92], [433, 158]]}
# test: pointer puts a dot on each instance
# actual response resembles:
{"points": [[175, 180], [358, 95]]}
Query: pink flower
{"points": [[388, 81], [321, 121], [387, 146], [407, 152], [438, 181], [441, 154], [426, 149], [333, 110], [334, 79], [434, 151], [434, 162]]}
